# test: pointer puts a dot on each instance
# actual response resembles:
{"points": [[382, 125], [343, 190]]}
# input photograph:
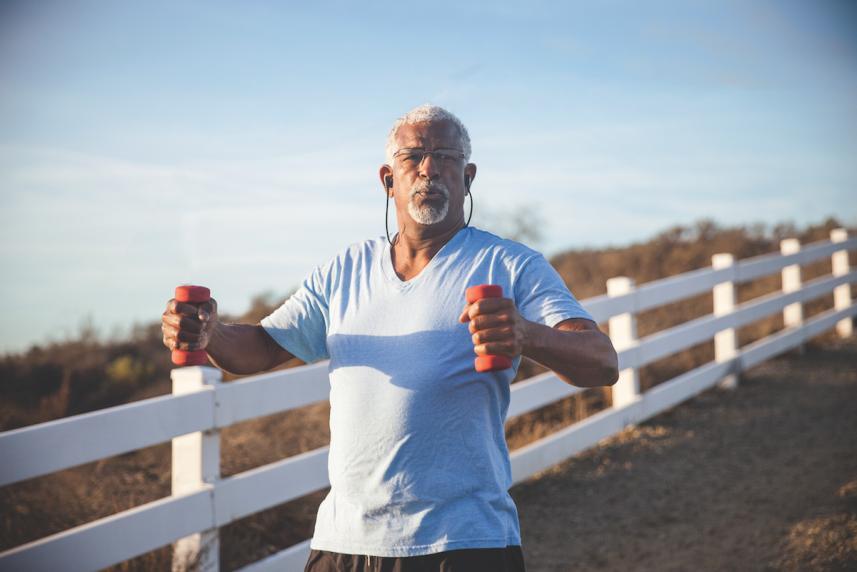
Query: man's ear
{"points": [[469, 175], [386, 175]]}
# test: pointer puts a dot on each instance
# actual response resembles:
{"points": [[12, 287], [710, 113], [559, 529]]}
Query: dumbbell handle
{"points": [[487, 362], [191, 295]]}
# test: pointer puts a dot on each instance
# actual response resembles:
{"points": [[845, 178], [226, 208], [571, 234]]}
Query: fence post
{"points": [[725, 341], [842, 293], [623, 334], [793, 313], [196, 462]]}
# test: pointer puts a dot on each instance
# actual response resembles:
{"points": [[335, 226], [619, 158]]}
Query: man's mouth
{"points": [[432, 194]]}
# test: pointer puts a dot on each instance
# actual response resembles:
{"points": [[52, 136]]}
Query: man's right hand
{"points": [[187, 326]]}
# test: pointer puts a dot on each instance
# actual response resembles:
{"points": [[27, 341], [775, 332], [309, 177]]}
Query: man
{"points": [[419, 467]]}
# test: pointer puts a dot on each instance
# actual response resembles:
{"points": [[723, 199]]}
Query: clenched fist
{"points": [[189, 327], [497, 327]]}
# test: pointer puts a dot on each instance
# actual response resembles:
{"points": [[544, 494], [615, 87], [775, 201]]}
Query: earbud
{"points": [[388, 182], [467, 183]]}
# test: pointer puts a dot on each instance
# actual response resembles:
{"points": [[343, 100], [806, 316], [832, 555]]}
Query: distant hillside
{"points": [[682, 249], [676, 250], [59, 379]]}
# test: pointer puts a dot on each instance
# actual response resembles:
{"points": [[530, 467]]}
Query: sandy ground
{"points": [[761, 478]]}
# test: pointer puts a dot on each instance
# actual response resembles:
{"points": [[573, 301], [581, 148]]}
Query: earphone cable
{"points": [[469, 216]]}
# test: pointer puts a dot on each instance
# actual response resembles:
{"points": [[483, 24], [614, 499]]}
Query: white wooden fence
{"points": [[200, 406]]}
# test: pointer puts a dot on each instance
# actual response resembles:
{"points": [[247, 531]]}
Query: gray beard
{"points": [[427, 213]]}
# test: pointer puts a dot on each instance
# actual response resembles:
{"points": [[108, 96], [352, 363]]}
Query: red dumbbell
{"points": [[487, 362], [195, 295]]}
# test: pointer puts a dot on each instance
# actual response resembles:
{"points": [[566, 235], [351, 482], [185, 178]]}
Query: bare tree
{"points": [[523, 223]]}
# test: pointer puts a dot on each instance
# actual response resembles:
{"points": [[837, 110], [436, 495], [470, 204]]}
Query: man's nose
{"points": [[429, 168]]}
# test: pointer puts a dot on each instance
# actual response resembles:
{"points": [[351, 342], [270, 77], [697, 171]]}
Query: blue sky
{"points": [[144, 145]]}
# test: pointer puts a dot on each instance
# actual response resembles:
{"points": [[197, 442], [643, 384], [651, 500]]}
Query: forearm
{"points": [[243, 349], [584, 358]]}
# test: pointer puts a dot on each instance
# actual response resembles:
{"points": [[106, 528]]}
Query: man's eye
{"points": [[412, 157]]}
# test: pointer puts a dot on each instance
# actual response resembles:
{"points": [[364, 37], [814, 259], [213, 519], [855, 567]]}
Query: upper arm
{"points": [[543, 297], [301, 323], [277, 354]]}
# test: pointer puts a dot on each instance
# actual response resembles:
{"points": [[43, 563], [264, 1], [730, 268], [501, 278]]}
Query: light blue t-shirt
{"points": [[418, 459]]}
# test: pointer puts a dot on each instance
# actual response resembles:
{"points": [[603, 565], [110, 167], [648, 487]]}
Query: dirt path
{"points": [[763, 478]]}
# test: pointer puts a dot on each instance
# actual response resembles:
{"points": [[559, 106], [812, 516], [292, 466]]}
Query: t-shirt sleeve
{"points": [[300, 324], [542, 296]]}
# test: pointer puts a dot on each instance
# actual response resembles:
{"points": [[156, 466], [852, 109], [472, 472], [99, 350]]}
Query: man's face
{"points": [[432, 190]]}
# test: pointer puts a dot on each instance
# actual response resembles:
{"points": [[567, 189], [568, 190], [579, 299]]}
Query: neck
{"points": [[415, 245], [411, 241]]}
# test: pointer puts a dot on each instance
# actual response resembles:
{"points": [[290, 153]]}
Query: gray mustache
{"points": [[425, 187]]}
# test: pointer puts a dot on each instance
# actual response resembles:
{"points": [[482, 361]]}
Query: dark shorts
{"points": [[509, 559]]}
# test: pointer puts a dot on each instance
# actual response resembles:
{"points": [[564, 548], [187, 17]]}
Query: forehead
{"points": [[429, 135]]}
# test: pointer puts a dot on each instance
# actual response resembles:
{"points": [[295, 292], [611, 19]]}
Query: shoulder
{"points": [[347, 261], [364, 249], [512, 252], [356, 252]]}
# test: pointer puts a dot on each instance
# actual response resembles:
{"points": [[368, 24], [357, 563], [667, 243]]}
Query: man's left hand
{"points": [[497, 327]]}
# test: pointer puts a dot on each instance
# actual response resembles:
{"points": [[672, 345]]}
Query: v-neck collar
{"points": [[390, 271]]}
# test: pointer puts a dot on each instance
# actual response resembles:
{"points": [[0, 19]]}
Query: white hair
{"points": [[423, 114]]}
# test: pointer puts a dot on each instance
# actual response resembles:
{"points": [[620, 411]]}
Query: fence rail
{"points": [[200, 406]]}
